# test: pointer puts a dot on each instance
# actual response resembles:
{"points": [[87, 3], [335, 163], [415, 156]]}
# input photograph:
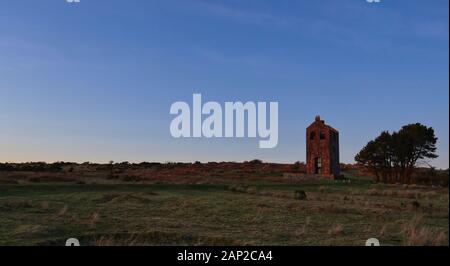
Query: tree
{"points": [[414, 143], [377, 156], [393, 157], [368, 158], [385, 154]]}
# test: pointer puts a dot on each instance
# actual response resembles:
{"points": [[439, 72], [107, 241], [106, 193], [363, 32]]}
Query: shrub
{"points": [[300, 194]]}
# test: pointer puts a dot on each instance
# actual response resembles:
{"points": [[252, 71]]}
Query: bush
{"points": [[431, 176], [300, 194]]}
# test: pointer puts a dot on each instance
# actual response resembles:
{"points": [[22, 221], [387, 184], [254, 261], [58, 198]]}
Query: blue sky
{"points": [[94, 81]]}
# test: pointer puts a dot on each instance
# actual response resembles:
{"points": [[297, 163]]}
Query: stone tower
{"points": [[322, 149]]}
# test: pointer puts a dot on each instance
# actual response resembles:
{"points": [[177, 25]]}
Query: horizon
{"points": [[193, 162], [94, 82]]}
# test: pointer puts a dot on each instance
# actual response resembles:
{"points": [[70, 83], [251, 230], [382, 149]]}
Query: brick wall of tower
{"points": [[322, 142]]}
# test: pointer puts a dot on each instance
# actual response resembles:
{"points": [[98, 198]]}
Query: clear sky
{"points": [[94, 81]]}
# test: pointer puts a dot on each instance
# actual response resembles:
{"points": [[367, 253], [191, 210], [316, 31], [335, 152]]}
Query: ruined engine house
{"points": [[322, 150]]}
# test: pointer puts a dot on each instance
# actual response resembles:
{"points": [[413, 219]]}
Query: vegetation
{"points": [[393, 157], [32, 166], [214, 204]]}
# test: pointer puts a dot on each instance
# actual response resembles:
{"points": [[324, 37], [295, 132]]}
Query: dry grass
{"points": [[45, 205], [63, 210], [373, 192], [250, 212], [30, 229], [409, 194], [308, 221], [336, 230], [252, 190], [111, 241], [431, 195], [275, 194], [404, 192], [322, 189], [346, 198], [94, 219], [383, 230], [415, 233], [15, 205], [352, 191], [107, 197], [302, 230]]}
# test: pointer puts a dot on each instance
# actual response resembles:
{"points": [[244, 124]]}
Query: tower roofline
{"points": [[318, 120]]}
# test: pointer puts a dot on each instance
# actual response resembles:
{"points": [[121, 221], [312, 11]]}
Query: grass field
{"points": [[246, 212]]}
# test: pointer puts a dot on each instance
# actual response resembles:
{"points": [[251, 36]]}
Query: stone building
{"points": [[322, 150]]}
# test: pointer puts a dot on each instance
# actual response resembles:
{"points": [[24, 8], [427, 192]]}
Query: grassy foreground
{"points": [[114, 212]]}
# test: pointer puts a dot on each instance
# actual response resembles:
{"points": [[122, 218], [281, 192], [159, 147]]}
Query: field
{"points": [[105, 206]]}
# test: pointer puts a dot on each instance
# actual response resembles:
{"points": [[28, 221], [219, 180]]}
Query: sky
{"points": [[94, 81]]}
